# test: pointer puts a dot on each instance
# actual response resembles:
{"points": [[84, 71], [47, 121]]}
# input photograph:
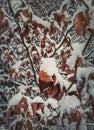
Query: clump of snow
{"points": [[49, 65], [91, 87], [15, 100], [68, 102], [86, 71], [17, 66], [29, 102], [23, 88], [77, 52], [37, 99], [52, 102]]}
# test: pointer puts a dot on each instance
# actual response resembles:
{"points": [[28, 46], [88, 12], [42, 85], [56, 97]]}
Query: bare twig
{"points": [[65, 37], [88, 41], [74, 78]]}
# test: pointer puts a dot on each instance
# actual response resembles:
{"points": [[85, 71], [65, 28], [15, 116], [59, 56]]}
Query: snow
{"points": [[46, 111], [85, 72], [82, 125], [68, 102], [52, 102], [77, 52], [17, 65], [29, 102], [49, 65], [23, 88], [45, 23], [91, 87], [15, 100], [37, 99]]}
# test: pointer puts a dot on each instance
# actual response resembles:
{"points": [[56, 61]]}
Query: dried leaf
{"points": [[40, 26], [36, 32], [43, 43], [25, 33], [80, 23], [28, 74], [17, 15], [71, 79], [56, 17], [53, 29], [34, 23], [1, 17], [62, 18], [45, 31], [69, 71], [79, 61], [64, 65], [26, 13], [86, 19], [5, 25], [44, 76]]}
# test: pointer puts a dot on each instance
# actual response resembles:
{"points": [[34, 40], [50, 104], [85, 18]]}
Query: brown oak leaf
{"points": [[44, 76], [80, 22], [1, 17]]}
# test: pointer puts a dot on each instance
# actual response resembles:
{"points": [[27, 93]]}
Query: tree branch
{"points": [[88, 41], [74, 78], [22, 39], [65, 36]]}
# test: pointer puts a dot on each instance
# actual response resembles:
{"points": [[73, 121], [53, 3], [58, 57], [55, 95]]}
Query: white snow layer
{"points": [[15, 100], [49, 65]]}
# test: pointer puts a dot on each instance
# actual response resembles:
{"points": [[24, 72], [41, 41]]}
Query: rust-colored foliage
{"points": [[43, 42], [13, 73], [56, 17], [80, 22], [28, 74], [75, 117], [40, 26], [69, 71], [25, 33], [8, 57], [71, 79], [1, 17], [25, 13], [44, 76], [29, 125], [36, 106], [55, 92], [17, 15], [79, 61], [4, 24], [62, 18], [36, 32], [59, 18], [53, 29], [45, 31], [34, 23]]}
